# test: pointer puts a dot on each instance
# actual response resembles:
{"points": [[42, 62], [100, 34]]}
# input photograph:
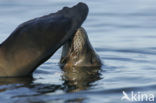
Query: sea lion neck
{"points": [[35, 41]]}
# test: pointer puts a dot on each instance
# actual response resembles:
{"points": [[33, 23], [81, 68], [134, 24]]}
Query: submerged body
{"points": [[79, 52], [34, 41], [80, 78]]}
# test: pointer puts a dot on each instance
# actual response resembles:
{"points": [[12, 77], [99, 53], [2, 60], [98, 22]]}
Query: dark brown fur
{"points": [[34, 41]]}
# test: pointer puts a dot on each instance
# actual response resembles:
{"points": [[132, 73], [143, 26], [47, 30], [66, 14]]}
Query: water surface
{"points": [[121, 31]]}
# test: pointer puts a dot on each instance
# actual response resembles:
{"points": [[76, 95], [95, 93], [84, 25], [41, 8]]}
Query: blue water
{"points": [[123, 32]]}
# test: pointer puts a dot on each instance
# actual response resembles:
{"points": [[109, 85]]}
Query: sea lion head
{"points": [[78, 51]]}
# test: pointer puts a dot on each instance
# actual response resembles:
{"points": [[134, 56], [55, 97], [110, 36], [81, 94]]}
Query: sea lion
{"points": [[79, 52], [35, 41]]}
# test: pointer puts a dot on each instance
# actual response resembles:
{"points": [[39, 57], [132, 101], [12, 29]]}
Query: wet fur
{"points": [[79, 52], [35, 41]]}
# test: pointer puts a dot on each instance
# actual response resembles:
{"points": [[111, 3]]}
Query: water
{"points": [[121, 31]]}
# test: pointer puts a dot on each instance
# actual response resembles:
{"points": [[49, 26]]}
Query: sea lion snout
{"points": [[82, 9], [79, 7], [77, 13]]}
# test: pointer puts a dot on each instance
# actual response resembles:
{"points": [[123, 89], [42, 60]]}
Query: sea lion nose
{"points": [[81, 6]]}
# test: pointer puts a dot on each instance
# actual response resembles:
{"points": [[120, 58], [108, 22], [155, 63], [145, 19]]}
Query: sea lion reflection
{"points": [[80, 78]]}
